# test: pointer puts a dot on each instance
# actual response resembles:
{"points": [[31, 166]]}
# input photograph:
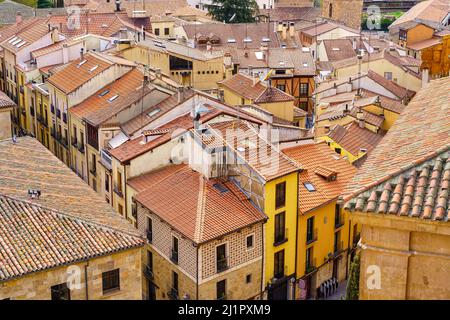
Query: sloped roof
{"points": [[430, 10], [27, 164], [421, 134], [5, 101], [35, 30], [317, 159], [202, 212], [353, 138], [339, 49], [35, 238]]}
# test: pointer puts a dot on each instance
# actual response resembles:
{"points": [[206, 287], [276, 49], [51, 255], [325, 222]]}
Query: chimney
{"points": [[180, 94], [275, 26], [208, 47], [360, 118], [118, 5], [158, 73], [284, 31], [280, 26], [326, 129], [291, 29], [255, 79], [227, 59], [65, 53], [18, 17], [55, 34], [82, 54], [425, 77], [346, 109]]}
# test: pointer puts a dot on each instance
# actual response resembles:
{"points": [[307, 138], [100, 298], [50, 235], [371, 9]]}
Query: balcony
{"points": [[149, 236], [52, 108], [58, 113], [221, 264], [32, 111], [310, 266], [74, 142], [148, 272], [173, 294], [81, 147], [174, 256], [311, 236], [93, 170], [339, 220], [281, 237], [21, 90], [118, 191], [64, 117], [65, 142], [356, 240], [338, 248]]}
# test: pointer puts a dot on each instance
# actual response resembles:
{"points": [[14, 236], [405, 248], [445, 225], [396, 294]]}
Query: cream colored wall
{"points": [[36, 286]]}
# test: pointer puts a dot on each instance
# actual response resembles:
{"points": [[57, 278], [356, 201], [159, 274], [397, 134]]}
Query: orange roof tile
{"points": [[421, 133], [75, 75], [220, 212], [318, 162]]}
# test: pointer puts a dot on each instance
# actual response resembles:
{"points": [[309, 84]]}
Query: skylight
{"points": [[113, 98], [12, 40], [309, 186], [16, 41], [153, 112], [247, 40], [104, 93], [93, 68], [265, 39], [220, 187], [231, 40], [21, 44], [336, 49], [82, 62]]}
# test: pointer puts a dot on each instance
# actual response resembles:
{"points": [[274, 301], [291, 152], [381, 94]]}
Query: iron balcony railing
{"points": [[281, 237], [222, 264], [148, 272], [173, 294], [118, 191], [339, 220], [150, 236], [310, 266]]}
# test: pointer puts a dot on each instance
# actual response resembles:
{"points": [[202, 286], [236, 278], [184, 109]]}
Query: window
{"points": [[221, 258], [338, 221], [280, 195], [337, 244], [402, 35], [279, 265], [173, 294], [150, 230], [166, 31], [150, 260], [249, 242], [280, 227], [60, 292], [310, 230], [309, 260], [119, 181], [338, 150], [157, 31], [248, 278], [111, 281], [330, 10], [120, 209], [106, 182], [221, 290], [281, 87], [388, 75], [174, 256], [304, 88]]}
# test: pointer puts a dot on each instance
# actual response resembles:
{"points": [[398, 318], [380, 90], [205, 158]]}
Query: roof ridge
{"points": [[68, 215], [396, 172], [182, 167], [201, 203]]}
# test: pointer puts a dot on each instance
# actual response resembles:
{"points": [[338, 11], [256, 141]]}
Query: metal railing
{"points": [[281, 237], [174, 256], [173, 294], [222, 264], [148, 272], [339, 220]]}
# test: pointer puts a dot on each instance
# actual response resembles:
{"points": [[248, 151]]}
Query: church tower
{"points": [[348, 12]]}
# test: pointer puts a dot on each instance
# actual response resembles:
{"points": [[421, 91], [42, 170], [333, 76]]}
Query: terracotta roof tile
{"points": [[339, 49], [319, 162], [220, 212], [27, 164], [75, 75], [5, 101], [34, 238]]}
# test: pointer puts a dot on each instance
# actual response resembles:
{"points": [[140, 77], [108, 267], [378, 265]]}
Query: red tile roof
{"points": [[420, 135], [339, 49], [318, 162], [396, 89], [193, 205], [5, 101], [74, 75], [34, 238], [353, 138]]}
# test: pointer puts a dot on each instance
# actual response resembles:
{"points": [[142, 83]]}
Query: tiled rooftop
{"points": [[27, 164], [35, 238], [339, 49], [5, 101], [420, 135], [318, 162], [203, 212], [353, 138]]}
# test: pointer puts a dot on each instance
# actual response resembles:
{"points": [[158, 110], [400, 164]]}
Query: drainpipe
{"points": [[296, 238], [348, 247], [197, 264], [262, 259], [86, 279], [125, 189], [407, 269]]}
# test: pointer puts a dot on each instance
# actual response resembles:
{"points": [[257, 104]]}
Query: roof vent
{"points": [[113, 98], [93, 68], [231, 40], [81, 63], [336, 49]]}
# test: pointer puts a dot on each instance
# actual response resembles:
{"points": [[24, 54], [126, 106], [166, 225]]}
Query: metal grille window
{"points": [[280, 227], [111, 280], [304, 88], [279, 265], [60, 292]]}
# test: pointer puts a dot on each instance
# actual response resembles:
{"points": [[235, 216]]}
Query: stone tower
{"points": [[345, 11]]}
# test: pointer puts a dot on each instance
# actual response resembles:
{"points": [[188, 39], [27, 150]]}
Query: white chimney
{"points": [[65, 53], [291, 29], [284, 31], [425, 77]]}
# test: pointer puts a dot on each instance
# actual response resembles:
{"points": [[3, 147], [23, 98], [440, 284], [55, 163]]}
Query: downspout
{"points": [[262, 260], [348, 247], [86, 150], [407, 269], [125, 189], [86, 279]]}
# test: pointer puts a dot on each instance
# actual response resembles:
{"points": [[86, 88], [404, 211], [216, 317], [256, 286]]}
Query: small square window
{"points": [[111, 281], [248, 278], [249, 241]]}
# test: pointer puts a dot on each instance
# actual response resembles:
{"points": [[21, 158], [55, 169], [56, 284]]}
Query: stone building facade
{"points": [[345, 11]]}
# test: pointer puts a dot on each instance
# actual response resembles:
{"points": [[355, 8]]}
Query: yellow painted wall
{"points": [[389, 116], [291, 220], [283, 110], [333, 145], [419, 33]]}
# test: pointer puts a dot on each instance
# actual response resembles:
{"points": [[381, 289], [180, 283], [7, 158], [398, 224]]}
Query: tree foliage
{"points": [[45, 4], [233, 11], [353, 281]]}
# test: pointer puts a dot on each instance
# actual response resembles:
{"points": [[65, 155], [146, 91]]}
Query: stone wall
{"points": [[36, 286], [345, 11], [5, 124]]}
